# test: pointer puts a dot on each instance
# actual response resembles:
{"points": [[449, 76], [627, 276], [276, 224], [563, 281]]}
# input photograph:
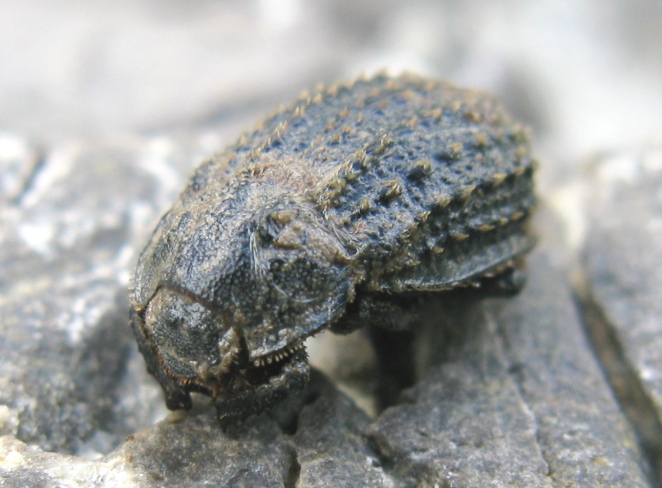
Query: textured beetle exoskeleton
{"points": [[356, 193]]}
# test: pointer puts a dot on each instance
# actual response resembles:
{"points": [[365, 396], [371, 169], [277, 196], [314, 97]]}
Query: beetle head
{"points": [[226, 295]]}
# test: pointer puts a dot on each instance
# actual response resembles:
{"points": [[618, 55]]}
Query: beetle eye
{"points": [[268, 230]]}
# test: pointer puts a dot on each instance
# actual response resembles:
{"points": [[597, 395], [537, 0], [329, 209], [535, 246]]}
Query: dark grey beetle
{"points": [[330, 214]]}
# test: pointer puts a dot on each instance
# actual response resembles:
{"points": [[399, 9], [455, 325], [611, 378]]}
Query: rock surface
{"points": [[67, 239], [623, 282], [328, 449], [510, 393], [518, 401]]}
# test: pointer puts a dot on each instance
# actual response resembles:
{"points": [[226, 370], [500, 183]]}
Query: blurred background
{"points": [[587, 75]]}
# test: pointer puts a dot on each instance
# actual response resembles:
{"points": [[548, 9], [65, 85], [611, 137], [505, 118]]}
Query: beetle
{"points": [[329, 214]]}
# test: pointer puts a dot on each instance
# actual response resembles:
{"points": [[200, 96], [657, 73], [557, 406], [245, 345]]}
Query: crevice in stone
{"points": [[387, 463], [293, 472], [625, 383], [516, 371]]}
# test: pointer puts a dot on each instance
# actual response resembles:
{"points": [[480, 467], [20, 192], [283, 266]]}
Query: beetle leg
{"points": [[395, 363], [391, 321], [507, 280]]}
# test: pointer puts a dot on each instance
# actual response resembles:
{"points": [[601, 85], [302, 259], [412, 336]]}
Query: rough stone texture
{"points": [[622, 257], [65, 255], [581, 430], [518, 400], [502, 402], [328, 449], [332, 448]]}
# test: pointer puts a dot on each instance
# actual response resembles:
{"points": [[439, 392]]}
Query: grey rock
{"points": [[193, 451], [510, 394], [583, 435], [27, 465], [621, 257], [71, 378], [463, 425], [332, 448], [66, 244], [327, 449], [517, 400]]}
